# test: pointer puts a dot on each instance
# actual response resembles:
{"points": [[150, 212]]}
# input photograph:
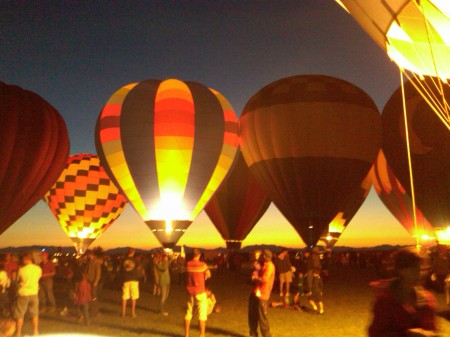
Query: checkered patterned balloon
{"points": [[84, 200]]}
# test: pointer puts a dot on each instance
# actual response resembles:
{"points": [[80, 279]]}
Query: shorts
{"points": [[199, 303], [130, 289], [286, 277], [26, 304]]}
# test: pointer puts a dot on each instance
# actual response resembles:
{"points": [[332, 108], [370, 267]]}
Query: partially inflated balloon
{"points": [[310, 140], [397, 201], [84, 200], [168, 145], [349, 209], [430, 153], [34, 146], [237, 205]]}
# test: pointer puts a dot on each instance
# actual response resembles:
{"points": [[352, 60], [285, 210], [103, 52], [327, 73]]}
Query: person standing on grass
{"points": [[130, 288], [46, 297], [197, 273], [162, 268], [27, 296], [316, 293], [283, 267], [259, 298]]}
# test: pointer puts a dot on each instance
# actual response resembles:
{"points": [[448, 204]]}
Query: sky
{"points": [[77, 54]]}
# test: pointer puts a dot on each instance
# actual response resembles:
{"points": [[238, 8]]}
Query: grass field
{"points": [[347, 299]]}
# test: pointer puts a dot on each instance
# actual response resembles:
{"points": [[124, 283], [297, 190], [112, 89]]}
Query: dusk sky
{"points": [[76, 55]]}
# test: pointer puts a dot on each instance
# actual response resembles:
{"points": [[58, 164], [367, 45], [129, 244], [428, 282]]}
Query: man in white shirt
{"points": [[27, 300]]}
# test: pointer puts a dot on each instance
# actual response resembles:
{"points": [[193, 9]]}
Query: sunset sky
{"points": [[76, 55]]}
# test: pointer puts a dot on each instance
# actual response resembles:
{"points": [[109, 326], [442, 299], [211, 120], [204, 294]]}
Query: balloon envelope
{"points": [[33, 149], [237, 205], [398, 202], [84, 200], [348, 210], [310, 140], [430, 153], [168, 145]]}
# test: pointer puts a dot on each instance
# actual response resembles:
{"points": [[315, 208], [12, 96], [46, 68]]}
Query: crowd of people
{"points": [[287, 279]]}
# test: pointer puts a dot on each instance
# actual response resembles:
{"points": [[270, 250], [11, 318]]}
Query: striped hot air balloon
{"points": [[84, 200], [310, 140], [168, 145]]}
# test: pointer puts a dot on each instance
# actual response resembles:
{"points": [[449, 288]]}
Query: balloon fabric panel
{"points": [[310, 140], [397, 201], [430, 153], [84, 200], [174, 147], [34, 150]]}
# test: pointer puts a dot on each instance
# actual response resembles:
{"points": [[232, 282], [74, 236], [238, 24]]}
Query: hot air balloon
{"points": [[429, 145], [168, 145], [415, 35], [33, 149], [398, 202], [349, 208], [310, 140], [237, 205], [84, 200]]}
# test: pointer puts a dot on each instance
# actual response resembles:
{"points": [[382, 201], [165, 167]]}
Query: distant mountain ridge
{"points": [[123, 250]]}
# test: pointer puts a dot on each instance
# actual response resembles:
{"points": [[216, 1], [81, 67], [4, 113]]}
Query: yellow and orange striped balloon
{"points": [[168, 145], [84, 200]]}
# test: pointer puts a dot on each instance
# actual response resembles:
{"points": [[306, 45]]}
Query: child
{"points": [[316, 296], [83, 298], [300, 291]]}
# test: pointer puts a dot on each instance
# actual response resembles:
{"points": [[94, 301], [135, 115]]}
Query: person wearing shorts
{"points": [[197, 272], [27, 300], [130, 287]]}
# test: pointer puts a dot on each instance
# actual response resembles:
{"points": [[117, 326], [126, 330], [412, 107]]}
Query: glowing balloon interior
{"points": [[168, 145], [84, 200], [416, 36]]}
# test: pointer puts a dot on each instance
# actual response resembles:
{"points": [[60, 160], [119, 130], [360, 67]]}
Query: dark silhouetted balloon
{"points": [[397, 201], [168, 145], [310, 140], [430, 153], [34, 146], [84, 200], [237, 205]]}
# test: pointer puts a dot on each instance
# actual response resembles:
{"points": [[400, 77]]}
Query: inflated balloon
{"points": [[310, 140], [397, 201], [430, 153], [33, 149], [168, 145], [84, 200], [237, 205], [349, 209], [415, 35]]}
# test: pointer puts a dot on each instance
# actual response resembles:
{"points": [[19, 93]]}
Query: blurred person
{"points": [[11, 264], [283, 268], [316, 293], [130, 286], [46, 296], [258, 301], [402, 307], [7, 327], [197, 272], [82, 298], [162, 268], [27, 294], [5, 282]]}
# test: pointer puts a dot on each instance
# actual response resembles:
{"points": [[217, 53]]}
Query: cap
{"points": [[267, 254]]}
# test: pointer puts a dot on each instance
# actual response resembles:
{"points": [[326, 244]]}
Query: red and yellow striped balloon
{"points": [[84, 200], [168, 145]]}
